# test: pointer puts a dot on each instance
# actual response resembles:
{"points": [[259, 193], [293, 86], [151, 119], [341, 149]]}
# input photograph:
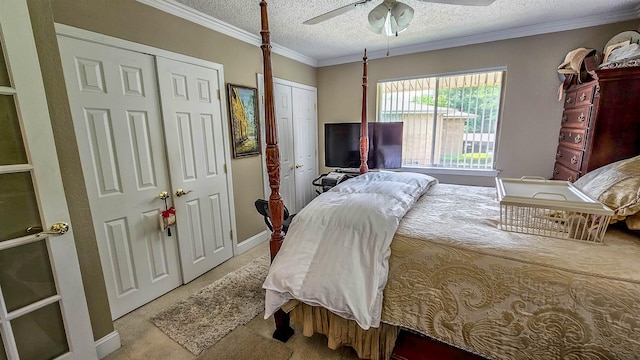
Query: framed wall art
{"points": [[245, 120]]}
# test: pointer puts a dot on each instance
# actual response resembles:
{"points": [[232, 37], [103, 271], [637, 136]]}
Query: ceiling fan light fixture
{"points": [[390, 25], [402, 13], [390, 18], [378, 17]]}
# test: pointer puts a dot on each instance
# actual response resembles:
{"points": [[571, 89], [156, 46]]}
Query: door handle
{"points": [[180, 192], [299, 166], [164, 195], [58, 228]]}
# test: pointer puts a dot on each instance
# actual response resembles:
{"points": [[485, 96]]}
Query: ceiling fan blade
{"points": [[334, 13], [463, 2]]}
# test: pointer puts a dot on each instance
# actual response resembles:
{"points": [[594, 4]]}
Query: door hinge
{"points": [[231, 234], [219, 94], [224, 166], [315, 106]]}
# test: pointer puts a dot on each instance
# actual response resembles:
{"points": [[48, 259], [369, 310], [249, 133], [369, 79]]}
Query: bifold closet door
{"points": [[116, 115], [305, 140], [284, 121], [297, 124], [194, 130]]}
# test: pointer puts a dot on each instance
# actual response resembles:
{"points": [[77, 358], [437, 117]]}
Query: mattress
{"points": [[454, 276]]}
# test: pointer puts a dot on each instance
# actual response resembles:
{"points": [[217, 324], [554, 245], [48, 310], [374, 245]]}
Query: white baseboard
{"points": [[252, 242], [108, 344]]}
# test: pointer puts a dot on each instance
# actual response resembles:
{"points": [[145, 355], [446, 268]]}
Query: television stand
{"points": [[329, 180], [352, 170], [347, 170]]}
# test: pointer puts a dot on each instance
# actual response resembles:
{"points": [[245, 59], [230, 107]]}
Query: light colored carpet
{"points": [[243, 344], [203, 318]]}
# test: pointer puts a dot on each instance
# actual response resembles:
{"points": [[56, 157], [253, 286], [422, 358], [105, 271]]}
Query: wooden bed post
{"points": [[364, 136], [276, 207]]}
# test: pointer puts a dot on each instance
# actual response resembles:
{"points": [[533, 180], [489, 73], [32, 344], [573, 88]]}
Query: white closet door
{"points": [[284, 120], [297, 121], [43, 311], [305, 125], [115, 108], [193, 122]]}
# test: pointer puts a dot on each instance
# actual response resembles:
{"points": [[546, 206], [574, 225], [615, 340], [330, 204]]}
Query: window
{"points": [[449, 121]]}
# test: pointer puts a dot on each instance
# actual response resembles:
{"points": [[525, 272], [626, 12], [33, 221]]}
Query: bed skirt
{"points": [[374, 344]]}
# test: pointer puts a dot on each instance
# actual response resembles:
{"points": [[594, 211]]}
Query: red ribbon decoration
{"points": [[168, 212]]}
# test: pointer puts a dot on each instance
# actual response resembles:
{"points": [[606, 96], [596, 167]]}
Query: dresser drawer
{"points": [[571, 158], [577, 117], [573, 138], [561, 172], [570, 100], [580, 95], [584, 96]]}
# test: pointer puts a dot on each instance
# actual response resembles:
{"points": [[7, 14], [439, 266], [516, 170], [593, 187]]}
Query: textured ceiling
{"points": [[343, 38]]}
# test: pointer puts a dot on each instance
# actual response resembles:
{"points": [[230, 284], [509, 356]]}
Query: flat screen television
{"points": [[342, 145]]}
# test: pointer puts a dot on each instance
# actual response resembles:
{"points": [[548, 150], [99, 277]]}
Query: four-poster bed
{"points": [[453, 276]]}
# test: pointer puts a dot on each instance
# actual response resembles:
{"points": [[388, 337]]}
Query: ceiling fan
{"points": [[391, 16]]}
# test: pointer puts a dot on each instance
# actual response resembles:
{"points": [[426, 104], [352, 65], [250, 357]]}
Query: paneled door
{"points": [[284, 119], [43, 311], [305, 127], [116, 114], [297, 122], [194, 125]]}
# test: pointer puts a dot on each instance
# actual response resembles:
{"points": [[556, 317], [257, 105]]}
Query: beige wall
{"points": [[129, 20], [531, 114]]}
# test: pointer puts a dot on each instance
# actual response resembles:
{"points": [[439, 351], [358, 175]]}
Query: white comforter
{"points": [[336, 251]]}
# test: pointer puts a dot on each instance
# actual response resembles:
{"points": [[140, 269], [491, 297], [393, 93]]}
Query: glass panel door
{"points": [[30, 300], [18, 206], [43, 313], [11, 149]]}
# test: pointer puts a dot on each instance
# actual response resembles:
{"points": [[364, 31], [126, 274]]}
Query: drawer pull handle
{"points": [[583, 96], [558, 154], [570, 179], [577, 139], [574, 160], [555, 171], [568, 100], [565, 118], [581, 117], [561, 136]]}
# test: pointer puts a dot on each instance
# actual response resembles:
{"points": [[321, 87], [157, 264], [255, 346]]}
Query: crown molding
{"points": [[177, 9], [512, 33]]}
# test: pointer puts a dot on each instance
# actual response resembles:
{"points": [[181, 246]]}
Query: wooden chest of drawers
{"points": [[600, 123], [579, 107]]}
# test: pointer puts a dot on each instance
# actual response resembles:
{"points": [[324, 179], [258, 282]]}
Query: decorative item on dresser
{"points": [[599, 122]]}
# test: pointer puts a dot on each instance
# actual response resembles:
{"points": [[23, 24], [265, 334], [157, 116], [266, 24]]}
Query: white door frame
{"points": [[265, 175], [32, 108], [81, 34]]}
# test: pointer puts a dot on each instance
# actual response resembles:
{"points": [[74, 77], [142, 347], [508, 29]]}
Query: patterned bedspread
{"points": [[455, 276]]}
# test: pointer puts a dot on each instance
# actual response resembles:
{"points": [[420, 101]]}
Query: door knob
{"points": [[299, 166], [164, 195], [181, 192], [291, 167], [58, 228]]}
